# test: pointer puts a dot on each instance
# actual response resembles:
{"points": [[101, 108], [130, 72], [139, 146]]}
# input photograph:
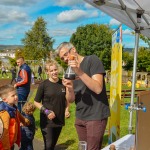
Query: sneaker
{"points": [[7, 76], [2, 77]]}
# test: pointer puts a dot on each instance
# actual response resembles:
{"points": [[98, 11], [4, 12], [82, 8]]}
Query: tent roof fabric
{"points": [[127, 12]]}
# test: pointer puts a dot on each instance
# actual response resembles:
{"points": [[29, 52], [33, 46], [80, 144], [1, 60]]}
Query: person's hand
{"points": [[75, 65], [51, 115], [67, 83], [67, 114], [21, 124], [15, 85]]}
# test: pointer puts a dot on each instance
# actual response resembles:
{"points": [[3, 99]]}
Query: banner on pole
{"points": [[115, 85]]}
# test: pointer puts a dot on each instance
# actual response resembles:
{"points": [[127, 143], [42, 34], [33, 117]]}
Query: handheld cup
{"points": [[70, 75]]}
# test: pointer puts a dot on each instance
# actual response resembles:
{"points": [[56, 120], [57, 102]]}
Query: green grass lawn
{"points": [[68, 137]]}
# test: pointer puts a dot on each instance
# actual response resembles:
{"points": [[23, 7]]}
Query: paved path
{"points": [[39, 145]]}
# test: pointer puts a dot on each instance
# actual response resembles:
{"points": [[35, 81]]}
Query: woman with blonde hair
{"points": [[52, 99]]}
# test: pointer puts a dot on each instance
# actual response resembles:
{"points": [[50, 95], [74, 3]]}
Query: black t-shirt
{"points": [[89, 105], [52, 96]]}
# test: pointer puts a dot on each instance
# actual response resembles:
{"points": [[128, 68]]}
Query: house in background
{"points": [[7, 53]]}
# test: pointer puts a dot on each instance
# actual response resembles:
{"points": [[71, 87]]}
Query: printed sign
{"points": [[115, 86]]}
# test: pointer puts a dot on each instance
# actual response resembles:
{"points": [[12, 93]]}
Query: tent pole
{"points": [[134, 78]]}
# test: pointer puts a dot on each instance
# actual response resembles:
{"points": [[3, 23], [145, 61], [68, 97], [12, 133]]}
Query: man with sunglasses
{"points": [[92, 108]]}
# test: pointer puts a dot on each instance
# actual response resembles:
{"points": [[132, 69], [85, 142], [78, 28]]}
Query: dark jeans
{"points": [[92, 132], [50, 136], [39, 76], [13, 79], [26, 145], [21, 101], [12, 148], [4, 72]]}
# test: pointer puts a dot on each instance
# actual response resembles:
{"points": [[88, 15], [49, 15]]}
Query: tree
{"points": [[143, 63], [37, 43], [128, 61], [0, 62], [61, 63], [94, 39], [19, 53], [12, 61], [145, 39]]}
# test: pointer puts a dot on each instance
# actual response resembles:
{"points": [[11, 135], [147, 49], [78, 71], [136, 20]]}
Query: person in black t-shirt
{"points": [[92, 107], [52, 99]]}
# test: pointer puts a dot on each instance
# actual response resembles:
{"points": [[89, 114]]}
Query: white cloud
{"points": [[62, 32], [114, 22], [71, 15], [17, 2], [28, 23], [10, 16], [6, 37], [127, 31], [14, 15], [94, 14], [67, 2]]}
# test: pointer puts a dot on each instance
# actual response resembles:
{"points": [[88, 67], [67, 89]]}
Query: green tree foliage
{"points": [[61, 63], [12, 61], [143, 63], [19, 53], [94, 39], [37, 42], [145, 39], [128, 61], [0, 62]]}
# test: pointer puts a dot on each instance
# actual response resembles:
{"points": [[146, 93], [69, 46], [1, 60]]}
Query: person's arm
{"points": [[23, 120], [49, 113], [70, 95], [37, 105], [67, 113], [24, 76], [94, 83]]}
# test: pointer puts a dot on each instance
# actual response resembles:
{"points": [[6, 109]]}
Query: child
{"points": [[27, 133], [10, 118]]}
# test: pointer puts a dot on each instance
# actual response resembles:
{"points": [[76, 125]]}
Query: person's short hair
{"points": [[67, 45], [50, 63], [5, 89], [20, 57], [28, 108]]}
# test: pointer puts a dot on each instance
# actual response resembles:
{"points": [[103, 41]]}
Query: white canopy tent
{"points": [[136, 15]]}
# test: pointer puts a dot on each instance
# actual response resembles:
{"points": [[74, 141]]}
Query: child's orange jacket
{"points": [[10, 119]]}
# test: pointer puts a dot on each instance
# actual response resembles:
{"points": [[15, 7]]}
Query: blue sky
{"points": [[62, 17]]}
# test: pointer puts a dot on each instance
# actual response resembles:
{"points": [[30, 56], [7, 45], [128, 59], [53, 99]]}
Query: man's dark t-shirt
{"points": [[89, 105]]}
